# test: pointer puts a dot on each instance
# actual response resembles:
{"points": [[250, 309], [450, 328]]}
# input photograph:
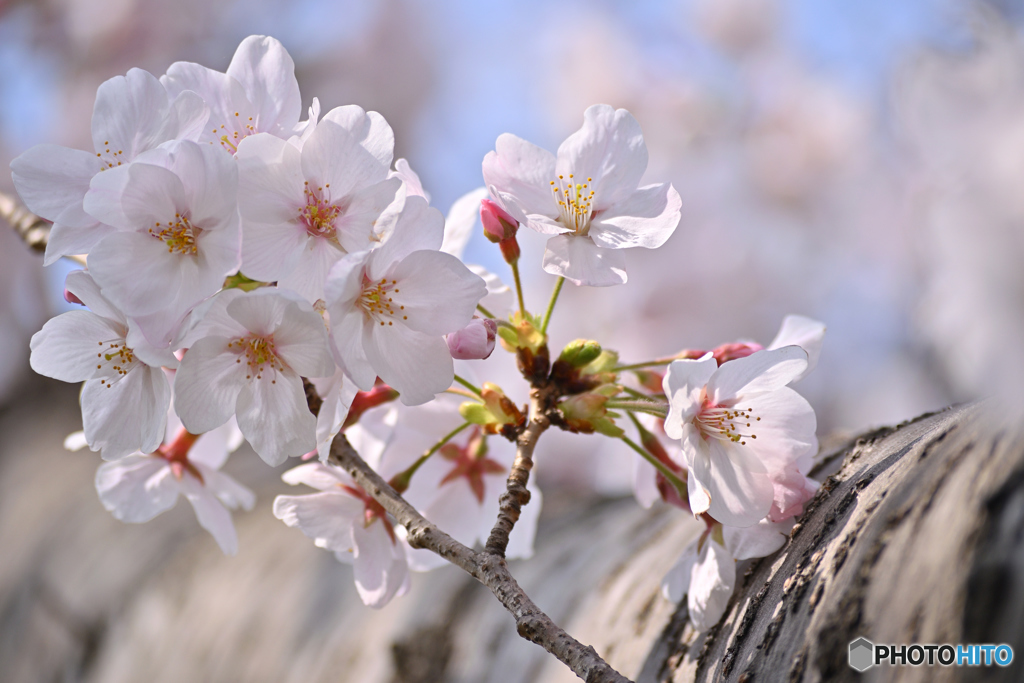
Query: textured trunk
{"points": [[917, 537]]}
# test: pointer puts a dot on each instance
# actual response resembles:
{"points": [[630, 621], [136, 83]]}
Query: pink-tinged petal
{"points": [[345, 283], [610, 149], [582, 262], [760, 540], [224, 95], [192, 114], [211, 515], [270, 182], [461, 221], [126, 415], [262, 311], [267, 74], [327, 518], [153, 194], [301, 342], [439, 293], [792, 490], [211, 319], [157, 332], [347, 334], [682, 384], [379, 564], [207, 385], [50, 179], [419, 227], [475, 341], [806, 333], [210, 182], [102, 202], [410, 179], [762, 371], [362, 210], [740, 494], [131, 116], [136, 488], [333, 412], [522, 172], [417, 365], [271, 251], [647, 218], [68, 347], [211, 449], [785, 430], [220, 248], [324, 478], [369, 128], [273, 415], [67, 240], [677, 580], [137, 273], [712, 581], [309, 275], [81, 284], [334, 159]]}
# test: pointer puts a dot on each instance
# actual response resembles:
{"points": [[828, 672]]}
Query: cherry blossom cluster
{"points": [[253, 276]]}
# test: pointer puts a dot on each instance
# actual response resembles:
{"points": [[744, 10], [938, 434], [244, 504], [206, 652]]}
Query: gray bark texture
{"points": [[916, 536]]}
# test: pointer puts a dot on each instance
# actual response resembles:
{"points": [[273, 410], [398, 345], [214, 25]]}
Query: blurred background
{"points": [[861, 163]]}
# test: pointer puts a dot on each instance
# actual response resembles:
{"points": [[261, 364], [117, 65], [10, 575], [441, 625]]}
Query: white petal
{"points": [[695, 450], [50, 178], [333, 412], [645, 486], [760, 540], [273, 415], [522, 172], [347, 335], [418, 366], [211, 514], [67, 240], [301, 342], [75, 441], [261, 311], [410, 179], [128, 415], [582, 262], [740, 495], [309, 275], [682, 384], [267, 74], [136, 488], [379, 564], [335, 155], [712, 581], [439, 293], [418, 227], [192, 114], [81, 284], [359, 221], [462, 220], [370, 128], [647, 218], [318, 476], [327, 518], [677, 581], [608, 148], [760, 371], [207, 385], [131, 116], [786, 429], [136, 272], [808, 334], [68, 347]]}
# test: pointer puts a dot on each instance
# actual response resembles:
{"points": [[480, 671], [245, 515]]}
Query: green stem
{"points": [[671, 476], [645, 406], [635, 394], [519, 288], [463, 393], [486, 312], [469, 386], [645, 364], [400, 482], [551, 305]]}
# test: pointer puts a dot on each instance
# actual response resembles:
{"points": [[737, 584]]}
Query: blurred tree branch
{"points": [[32, 229]]}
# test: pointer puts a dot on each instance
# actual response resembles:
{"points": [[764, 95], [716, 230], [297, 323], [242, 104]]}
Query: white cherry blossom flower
{"points": [[251, 353], [139, 487], [588, 197], [410, 179], [302, 210], [391, 307], [133, 114], [257, 94], [177, 237], [706, 572], [738, 423], [337, 393], [126, 394], [342, 518]]}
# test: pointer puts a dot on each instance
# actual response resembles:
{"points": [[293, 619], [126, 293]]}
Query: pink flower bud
{"points": [[498, 225], [475, 341], [71, 298], [735, 351]]}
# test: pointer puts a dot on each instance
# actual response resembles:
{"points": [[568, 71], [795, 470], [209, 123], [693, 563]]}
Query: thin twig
{"points": [[489, 569]]}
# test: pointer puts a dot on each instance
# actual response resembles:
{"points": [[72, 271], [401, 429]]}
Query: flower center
{"points": [[259, 354], [575, 203], [116, 358], [318, 214], [377, 302], [234, 130], [726, 423], [109, 159], [179, 235]]}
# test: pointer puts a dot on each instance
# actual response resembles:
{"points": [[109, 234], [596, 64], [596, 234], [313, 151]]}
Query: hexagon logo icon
{"points": [[862, 654]]}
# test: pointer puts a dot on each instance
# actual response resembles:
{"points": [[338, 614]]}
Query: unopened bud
{"points": [[586, 414], [498, 224], [364, 400], [475, 341], [510, 250], [495, 412], [735, 351], [580, 352]]}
